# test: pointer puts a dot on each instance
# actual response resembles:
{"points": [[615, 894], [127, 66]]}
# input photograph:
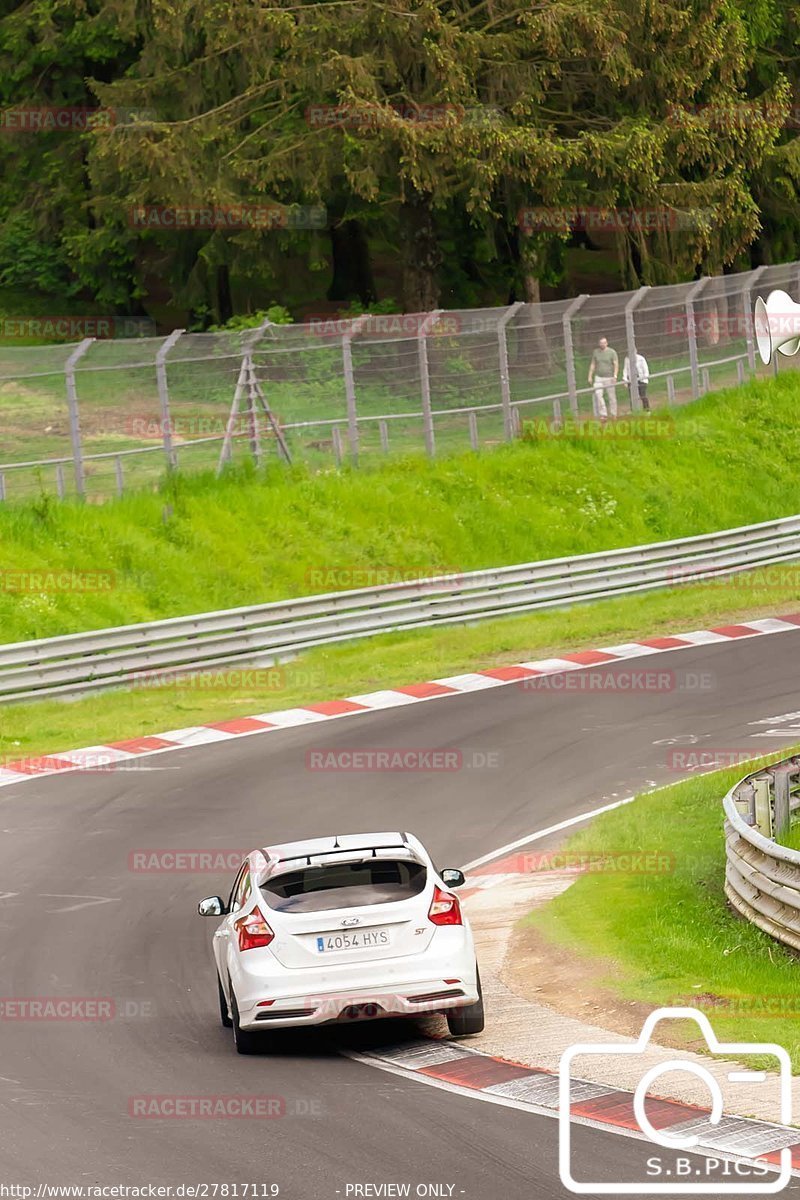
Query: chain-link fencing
{"points": [[99, 416]]}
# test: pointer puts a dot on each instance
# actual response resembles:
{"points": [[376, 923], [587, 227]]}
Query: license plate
{"points": [[357, 939]]}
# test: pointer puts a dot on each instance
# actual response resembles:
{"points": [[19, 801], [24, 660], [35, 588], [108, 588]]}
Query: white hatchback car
{"points": [[343, 928]]}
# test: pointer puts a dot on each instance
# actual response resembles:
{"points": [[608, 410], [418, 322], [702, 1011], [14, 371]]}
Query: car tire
{"points": [[245, 1041], [223, 1005], [470, 1019]]}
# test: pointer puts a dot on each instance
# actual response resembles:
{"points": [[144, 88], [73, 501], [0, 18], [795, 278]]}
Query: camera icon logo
{"points": [[682, 1175]]}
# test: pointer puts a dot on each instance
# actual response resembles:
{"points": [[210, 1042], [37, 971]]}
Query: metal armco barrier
{"points": [[762, 877], [124, 656]]}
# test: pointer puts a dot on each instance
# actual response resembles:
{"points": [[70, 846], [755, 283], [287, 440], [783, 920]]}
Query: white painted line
{"points": [[195, 735], [7, 776], [551, 666], [705, 637], [542, 833], [768, 625], [94, 756], [470, 682], [287, 718], [384, 699], [627, 650]]}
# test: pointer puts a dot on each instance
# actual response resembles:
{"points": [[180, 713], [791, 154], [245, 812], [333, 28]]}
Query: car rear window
{"points": [[345, 885]]}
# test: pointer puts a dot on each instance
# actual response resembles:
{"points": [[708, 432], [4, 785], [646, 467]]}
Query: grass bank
{"points": [[202, 544], [668, 937]]}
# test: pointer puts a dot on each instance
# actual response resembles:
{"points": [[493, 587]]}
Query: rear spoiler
{"points": [[281, 866]]}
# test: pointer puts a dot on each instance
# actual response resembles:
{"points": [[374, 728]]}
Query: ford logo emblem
{"points": [[351, 921]]}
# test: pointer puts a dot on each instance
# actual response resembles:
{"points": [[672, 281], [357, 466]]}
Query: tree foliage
{"points": [[425, 127]]}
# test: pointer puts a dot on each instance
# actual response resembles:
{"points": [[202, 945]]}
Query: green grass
{"points": [[202, 544], [669, 937]]}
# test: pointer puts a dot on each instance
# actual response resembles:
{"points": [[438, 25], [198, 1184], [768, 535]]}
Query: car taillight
{"points": [[253, 931], [444, 909]]}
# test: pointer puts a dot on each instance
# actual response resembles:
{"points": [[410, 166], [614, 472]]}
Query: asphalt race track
{"points": [[77, 921]]}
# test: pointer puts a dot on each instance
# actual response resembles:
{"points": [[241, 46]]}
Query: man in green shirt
{"points": [[604, 370]]}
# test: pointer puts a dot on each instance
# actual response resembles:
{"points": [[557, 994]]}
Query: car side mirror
{"points": [[212, 906], [453, 877]]}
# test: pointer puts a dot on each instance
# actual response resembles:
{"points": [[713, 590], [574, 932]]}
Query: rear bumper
{"points": [[368, 1004], [430, 982]]}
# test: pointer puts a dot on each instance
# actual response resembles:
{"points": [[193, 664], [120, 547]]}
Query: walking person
{"points": [[604, 370], [642, 377]]}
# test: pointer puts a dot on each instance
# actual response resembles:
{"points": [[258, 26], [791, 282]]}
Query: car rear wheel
{"points": [[245, 1041], [223, 1005], [470, 1019]]}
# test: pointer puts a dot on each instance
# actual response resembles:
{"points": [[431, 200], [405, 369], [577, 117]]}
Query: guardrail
{"points": [[134, 655], [762, 877]]}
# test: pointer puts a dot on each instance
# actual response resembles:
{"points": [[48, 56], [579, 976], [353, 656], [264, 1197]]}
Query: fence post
{"points": [[691, 333], [569, 349], [425, 380], [630, 337], [336, 442], [780, 778], [747, 297], [746, 803], [252, 411], [505, 380], [74, 415], [762, 806], [350, 386], [248, 378], [163, 395], [473, 430]]}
